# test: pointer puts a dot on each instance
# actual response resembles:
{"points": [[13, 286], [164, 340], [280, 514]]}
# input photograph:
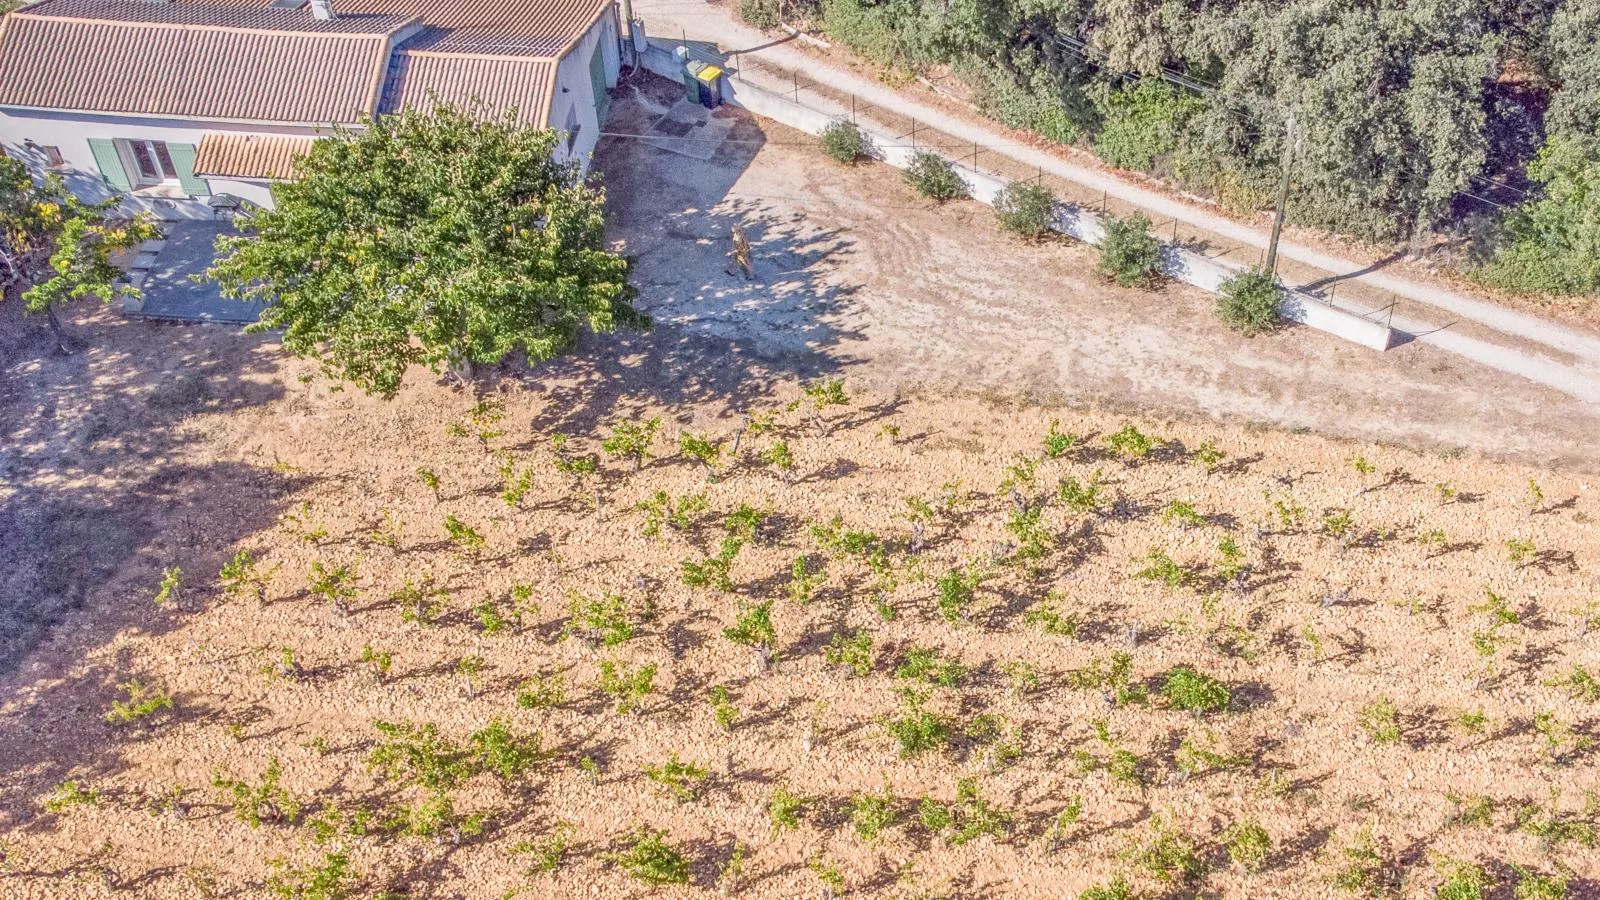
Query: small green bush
{"points": [[1248, 302], [1463, 881], [842, 142], [1198, 692], [759, 13], [785, 808], [753, 628], [680, 779], [1170, 855], [1034, 99], [1115, 889], [965, 820], [1381, 721], [1248, 845], [1547, 245], [650, 859], [853, 653], [919, 730], [333, 879], [1130, 255], [1533, 885], [870, 814], [935, 177], [1142, 123], [1025, 210]]}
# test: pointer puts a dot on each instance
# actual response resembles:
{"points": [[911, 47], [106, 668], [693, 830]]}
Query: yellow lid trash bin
{"points": [[705, 84]]}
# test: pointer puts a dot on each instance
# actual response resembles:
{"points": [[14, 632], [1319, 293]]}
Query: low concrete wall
{"points": [[1071, 220]]}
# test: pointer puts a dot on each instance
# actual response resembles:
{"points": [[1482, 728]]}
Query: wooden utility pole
{"points": [[1270, 265]]}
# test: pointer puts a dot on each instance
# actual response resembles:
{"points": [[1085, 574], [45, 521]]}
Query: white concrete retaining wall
{"points": [[1071, 220]]}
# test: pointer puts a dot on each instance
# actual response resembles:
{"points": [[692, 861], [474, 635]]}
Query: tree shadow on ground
{"points": [[717, 337], [103, 485]]}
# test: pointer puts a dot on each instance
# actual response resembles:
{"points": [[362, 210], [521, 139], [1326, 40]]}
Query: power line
{"points": [[1210, 91], [1503, 185], [1188, 82], [1195, 85]]}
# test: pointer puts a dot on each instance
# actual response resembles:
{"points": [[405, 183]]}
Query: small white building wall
{"points": [[574, 100], [70, 134]]}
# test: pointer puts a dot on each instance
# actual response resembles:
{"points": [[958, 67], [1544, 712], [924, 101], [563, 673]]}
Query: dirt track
{"points": [[859, 275]]}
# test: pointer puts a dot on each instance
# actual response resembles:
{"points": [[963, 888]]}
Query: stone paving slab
{"points": [[170, 289]]}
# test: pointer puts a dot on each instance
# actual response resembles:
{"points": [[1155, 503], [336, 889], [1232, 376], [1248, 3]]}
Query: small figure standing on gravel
{"points": [[741, 255]]}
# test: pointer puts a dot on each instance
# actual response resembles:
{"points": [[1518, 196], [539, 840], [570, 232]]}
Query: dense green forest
{"points": [[1478, 119]]}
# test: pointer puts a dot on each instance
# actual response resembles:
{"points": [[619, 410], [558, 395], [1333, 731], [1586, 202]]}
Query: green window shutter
{"points": [[183, 160], [110, 163]]}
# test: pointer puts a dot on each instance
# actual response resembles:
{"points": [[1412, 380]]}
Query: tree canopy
{"points": [[55, 248], [1406, 112], [1552, 244], [433, 238]]}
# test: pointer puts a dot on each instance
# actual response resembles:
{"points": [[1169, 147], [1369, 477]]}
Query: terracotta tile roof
{"points": [[440, 40], [240, 61], [242, 155], [212, 14], [495, 55], [561, 22], [489, 85], [193, 69]]}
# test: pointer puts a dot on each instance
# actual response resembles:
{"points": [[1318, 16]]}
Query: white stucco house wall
{"points": [[182, 106]]}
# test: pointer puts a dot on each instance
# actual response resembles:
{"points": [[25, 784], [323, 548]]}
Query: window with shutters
{"points": [[148, 163]]}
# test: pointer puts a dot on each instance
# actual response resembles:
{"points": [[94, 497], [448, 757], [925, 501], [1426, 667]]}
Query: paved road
{"points": [[1515, 342]]}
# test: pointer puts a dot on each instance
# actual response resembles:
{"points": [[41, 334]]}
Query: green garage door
{"points": [[597, 79]]}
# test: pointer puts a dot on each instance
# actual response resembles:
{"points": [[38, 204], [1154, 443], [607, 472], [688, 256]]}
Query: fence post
{"points": [[1105, 197], [913, 133], [852, 109], [1174, 231], [974, 157], [796, 87]]}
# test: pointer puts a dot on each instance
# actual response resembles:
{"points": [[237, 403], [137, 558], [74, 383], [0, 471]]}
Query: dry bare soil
{"points": [[974, 686], [857, 275]]}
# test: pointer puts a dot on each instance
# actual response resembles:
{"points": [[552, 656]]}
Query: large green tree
{"points": [[1551, 244], [1389, 96], [433, 238], [1573, 55], [55, 248], [1407, 112]]}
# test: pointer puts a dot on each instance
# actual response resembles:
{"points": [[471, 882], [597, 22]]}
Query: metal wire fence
{"points": [[1334, 288]]}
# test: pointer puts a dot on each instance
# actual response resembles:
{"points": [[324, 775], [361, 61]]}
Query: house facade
{"points": [[187, 106]]}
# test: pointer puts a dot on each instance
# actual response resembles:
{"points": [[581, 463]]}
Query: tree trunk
{"points": [[461, 367], [55, 327]]}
